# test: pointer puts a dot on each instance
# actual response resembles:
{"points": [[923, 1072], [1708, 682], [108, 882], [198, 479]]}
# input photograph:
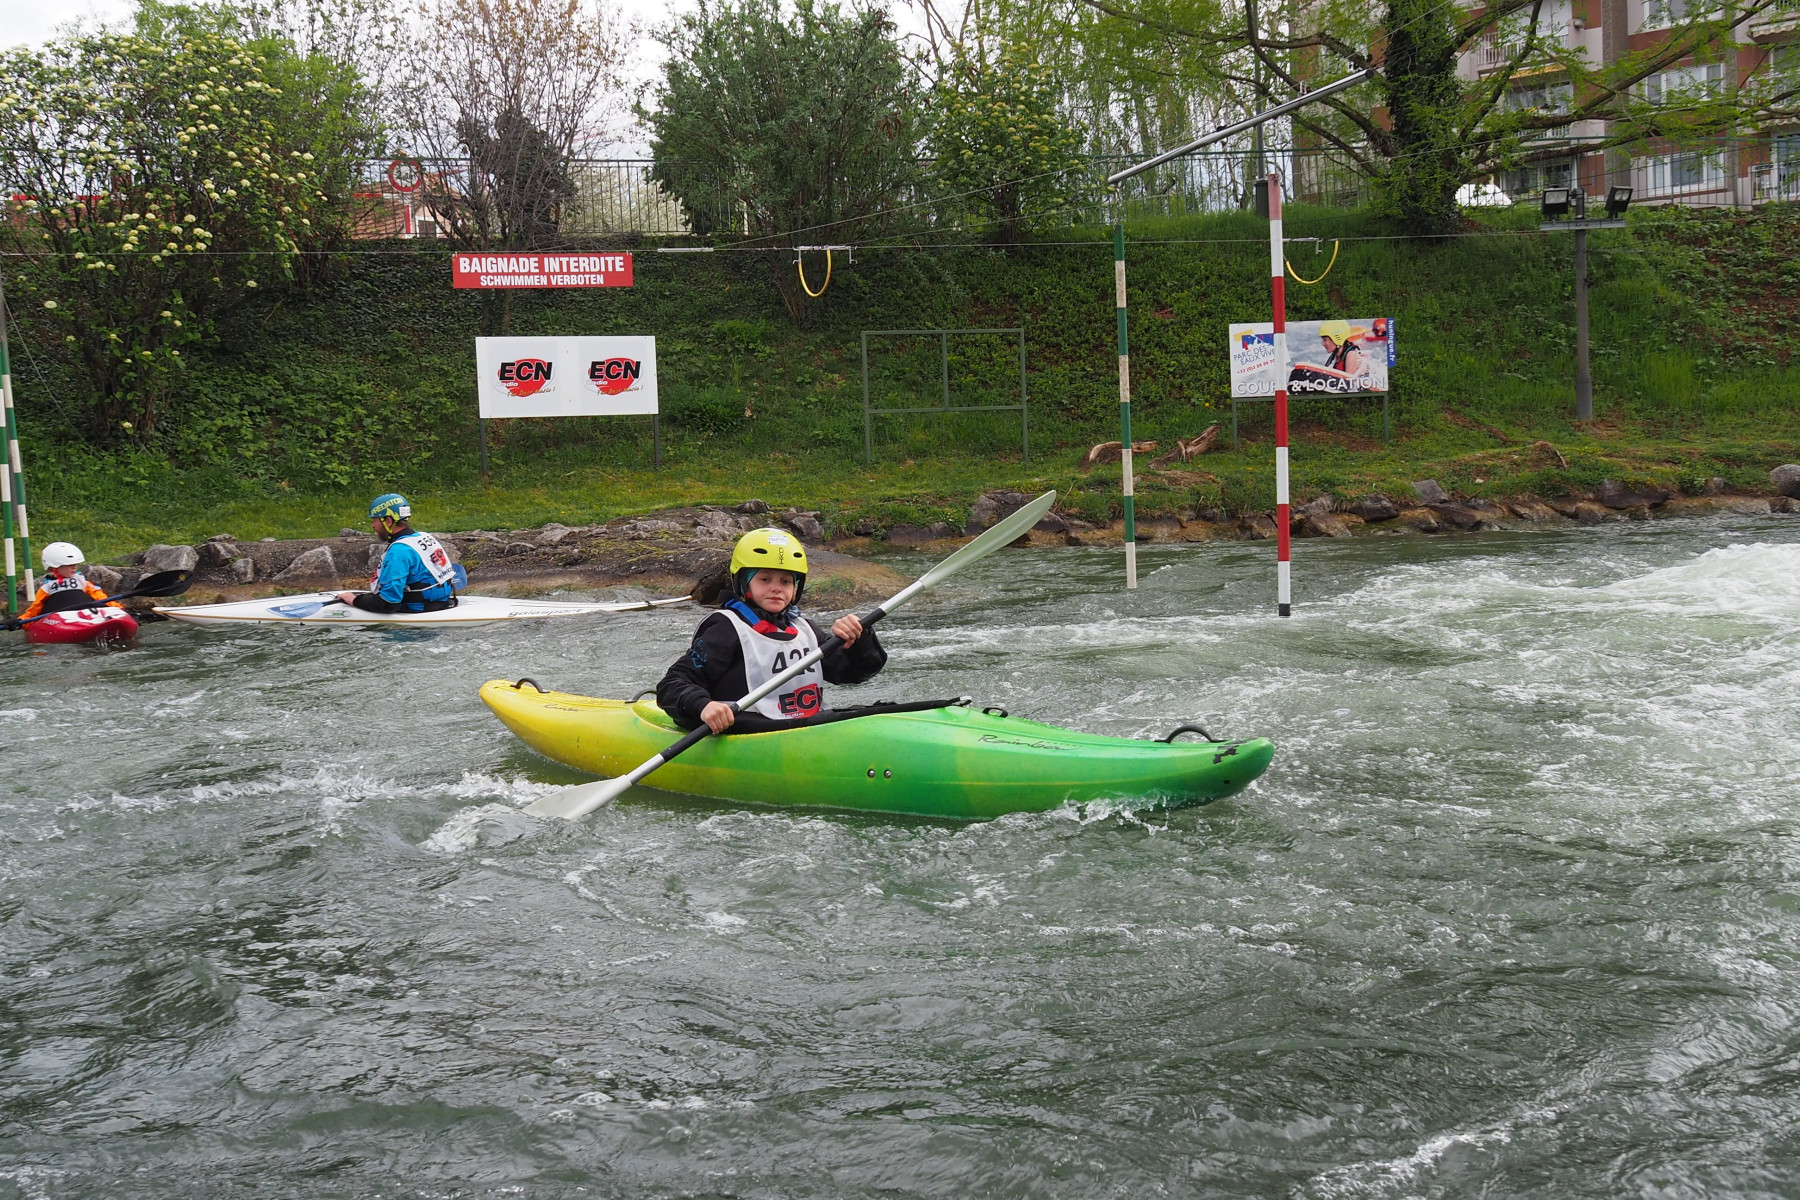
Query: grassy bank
{"points": [[310, 403]]}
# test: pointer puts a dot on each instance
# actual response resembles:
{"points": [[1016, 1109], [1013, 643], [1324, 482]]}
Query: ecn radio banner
{"points": [[566, 376]]}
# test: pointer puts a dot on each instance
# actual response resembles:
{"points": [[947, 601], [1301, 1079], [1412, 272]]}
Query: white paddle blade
{"points": [[574, 803], [1003, 533]]}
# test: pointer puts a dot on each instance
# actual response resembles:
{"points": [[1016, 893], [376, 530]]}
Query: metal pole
{"points": [[482, 422], [944, 361], [1584, 378], [656, 440], [1125, 395], [1024, 404], [868, 440], [1283, 509]]}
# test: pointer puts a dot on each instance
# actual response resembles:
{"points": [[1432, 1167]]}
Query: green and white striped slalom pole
{"points": [[1125, 398], [12, 479], [6, 491]]}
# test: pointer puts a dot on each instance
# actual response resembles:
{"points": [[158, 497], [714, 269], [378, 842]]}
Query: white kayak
{"points": [[324, 608]]}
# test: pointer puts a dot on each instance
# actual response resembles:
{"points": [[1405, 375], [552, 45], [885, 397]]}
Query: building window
{"points": [[1691, 82], [1784, 162], [1682, 173], [1549, 98], [1662, 14]]}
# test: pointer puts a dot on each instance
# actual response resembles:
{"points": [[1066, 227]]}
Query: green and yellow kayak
{"points": [[940, 762]]}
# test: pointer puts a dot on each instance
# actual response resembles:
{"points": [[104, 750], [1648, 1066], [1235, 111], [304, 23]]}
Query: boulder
{"points": [[752, 507], [1787, 504], [1318, 506], [866, 527], [1458, 516], [243, 570], [1614, 494], [1161, 528], [1489, 510], [170, 558], [992, 507], [1375, 508], [1215, 516], [215, 554], [1327, 524], [347, 532], [1430, 492], [1528, 509], [1714, 486], [314, 566], [1053, 522], [221, 537], [103, 577], [809, 529], [553, 534], [1257, 527], [1745, 506], [512, 548], [915, 535], [377, 555], [1786, 479], [1590, 513], [1421, 519], [715, 525]]}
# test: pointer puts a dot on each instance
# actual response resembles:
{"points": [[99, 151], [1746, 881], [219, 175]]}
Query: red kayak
{"points": [[83, 625]]}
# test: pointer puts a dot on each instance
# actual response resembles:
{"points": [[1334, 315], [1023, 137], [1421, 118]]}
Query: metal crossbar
{"points": [[943, 337]]}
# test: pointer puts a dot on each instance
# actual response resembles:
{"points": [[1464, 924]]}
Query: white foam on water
{"points": [[1760, 580], [483, 825]]}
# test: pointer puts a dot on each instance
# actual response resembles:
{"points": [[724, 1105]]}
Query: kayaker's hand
{"points": [[847, 628], [347, 597], [718, 716], [15, 623]]}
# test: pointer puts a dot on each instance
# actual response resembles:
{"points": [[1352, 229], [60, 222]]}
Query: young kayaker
{"points": [[756, 634], [416, 574], [63, 586]]}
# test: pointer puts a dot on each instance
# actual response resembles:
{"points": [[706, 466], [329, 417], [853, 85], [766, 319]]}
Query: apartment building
{"points": [[1753, 166]]}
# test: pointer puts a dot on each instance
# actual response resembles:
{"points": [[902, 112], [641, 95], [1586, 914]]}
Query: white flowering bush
{"points": [[152, 181]]}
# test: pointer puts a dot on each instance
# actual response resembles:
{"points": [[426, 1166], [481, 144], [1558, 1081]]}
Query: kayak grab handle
{"points": [[993, 710], [642, 694], [520, 686], [1181, 729]]}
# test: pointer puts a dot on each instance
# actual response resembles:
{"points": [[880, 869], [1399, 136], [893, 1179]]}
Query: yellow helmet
{"points": [[1340, 331], [776, 549]]}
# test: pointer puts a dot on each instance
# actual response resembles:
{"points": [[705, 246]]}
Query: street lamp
{"points": [[1557, 204]]}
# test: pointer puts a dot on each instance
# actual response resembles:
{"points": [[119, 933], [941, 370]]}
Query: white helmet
{"points": [[63, 554]]}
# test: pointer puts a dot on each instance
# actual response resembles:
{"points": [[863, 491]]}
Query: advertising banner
{"points": [[498, 270], [1324, 357], [566, 376]]}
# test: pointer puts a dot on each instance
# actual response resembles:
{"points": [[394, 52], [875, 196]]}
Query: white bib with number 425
{"points": [[765, 658]]}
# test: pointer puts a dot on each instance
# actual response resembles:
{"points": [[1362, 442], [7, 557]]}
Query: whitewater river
{"points": [[1515, 912]]}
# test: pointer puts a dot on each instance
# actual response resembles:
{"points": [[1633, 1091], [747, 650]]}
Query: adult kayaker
{"points": [[756, 634], [416, 573], [64, 586]]}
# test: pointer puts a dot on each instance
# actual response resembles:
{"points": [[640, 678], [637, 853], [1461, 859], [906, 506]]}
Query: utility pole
{"points": [[1565, 210]]}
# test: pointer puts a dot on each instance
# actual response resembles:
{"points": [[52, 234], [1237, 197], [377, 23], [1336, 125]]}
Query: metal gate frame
{"points": [[943, 336]]}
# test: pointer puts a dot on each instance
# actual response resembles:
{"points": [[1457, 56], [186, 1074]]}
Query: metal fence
{"points": [[618, 196]]}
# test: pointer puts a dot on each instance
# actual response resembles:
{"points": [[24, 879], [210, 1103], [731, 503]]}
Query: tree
{"points": [[1420, 131], [794, 130], [1001, 149], [502, 96], [163, 176]]}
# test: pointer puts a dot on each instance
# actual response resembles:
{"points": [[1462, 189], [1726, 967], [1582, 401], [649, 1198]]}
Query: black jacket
{"points": [[713, 667]]}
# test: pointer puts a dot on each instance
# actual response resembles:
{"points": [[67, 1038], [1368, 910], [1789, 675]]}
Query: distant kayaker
{"points": [[63, 586], [416, 573], [755, 635]]}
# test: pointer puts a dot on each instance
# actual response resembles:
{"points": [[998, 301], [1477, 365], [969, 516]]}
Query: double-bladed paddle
{"points": [[163, 583], [573, 803]]}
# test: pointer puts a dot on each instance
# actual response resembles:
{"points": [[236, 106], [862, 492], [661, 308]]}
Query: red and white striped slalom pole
{"points": [[1284, 592]]}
